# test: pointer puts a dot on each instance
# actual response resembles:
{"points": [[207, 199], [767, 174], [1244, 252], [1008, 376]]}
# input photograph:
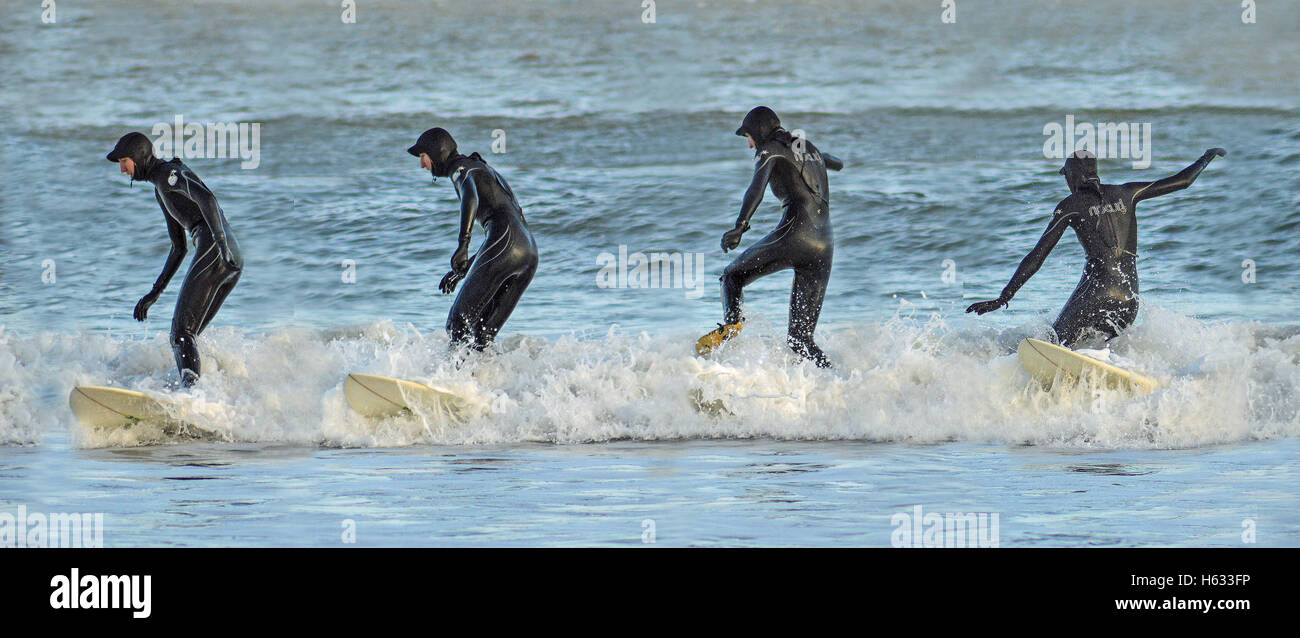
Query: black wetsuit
{"points": [[189, 206], [1104, 218], [796, 171], [506, 260]]}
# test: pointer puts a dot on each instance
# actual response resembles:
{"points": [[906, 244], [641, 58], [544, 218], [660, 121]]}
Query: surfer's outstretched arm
{"points": [[753, 197], [1183, 179], [460, 260], [1029, 265], [832, 162], [174, 259]]}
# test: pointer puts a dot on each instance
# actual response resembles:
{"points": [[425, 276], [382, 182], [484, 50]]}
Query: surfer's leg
{"points": [[1115, 316], [1073, 323], [761, 259], [476, 292], [1126, 315], [1106, 313], [503, 304], [1077, 324], [497, 312], [223, 291], [806, 299], [498, 259], [462, 320], [202, 286]]}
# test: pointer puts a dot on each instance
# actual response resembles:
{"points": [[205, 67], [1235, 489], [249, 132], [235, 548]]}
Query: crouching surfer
{"points": [[189, 207], [497, 275], [1104, 217], [796, 172]]}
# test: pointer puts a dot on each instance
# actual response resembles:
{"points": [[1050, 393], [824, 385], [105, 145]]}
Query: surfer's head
{"points": [[436, 150], [1080, 171], [760, 124], [134, 153]]}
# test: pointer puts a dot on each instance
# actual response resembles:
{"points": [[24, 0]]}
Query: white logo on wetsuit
{"points": [[1111, 235], [1117, 207], [456, 179], [171, 179]]}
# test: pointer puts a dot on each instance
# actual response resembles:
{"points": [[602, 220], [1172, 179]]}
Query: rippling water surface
{"points": [[618, 133]]}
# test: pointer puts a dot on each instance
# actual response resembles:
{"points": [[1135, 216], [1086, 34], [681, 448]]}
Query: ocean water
{"points": [[618, 134]]}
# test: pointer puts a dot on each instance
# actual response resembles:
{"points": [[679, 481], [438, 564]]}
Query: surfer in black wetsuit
{"points": [[188, 206], [1104, 218], [796, 171], [496, 276]]}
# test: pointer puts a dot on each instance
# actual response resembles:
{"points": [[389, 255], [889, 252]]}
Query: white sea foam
{"points": [[908, 379]]}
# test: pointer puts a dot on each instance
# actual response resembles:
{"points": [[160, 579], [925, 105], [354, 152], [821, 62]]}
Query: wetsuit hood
{"points": [[1081, 170], [440, 147], [139, 149], [761, 123]]}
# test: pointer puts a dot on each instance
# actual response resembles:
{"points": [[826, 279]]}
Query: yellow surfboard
{"points": [[1049, 363], [107, 408], [377, 396]]}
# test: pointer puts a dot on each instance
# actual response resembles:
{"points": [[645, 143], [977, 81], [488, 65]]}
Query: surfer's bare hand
{"points": [[142, 309], [983, 307], [449, 282], [731, 239]]}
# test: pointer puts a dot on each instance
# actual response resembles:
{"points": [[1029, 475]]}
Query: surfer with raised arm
{"points": [[497, 275], [189, 207], [796, 172], [1104, 218]]}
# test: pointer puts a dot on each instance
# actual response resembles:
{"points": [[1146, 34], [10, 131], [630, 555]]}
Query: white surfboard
{"points": [[107, 408], [722, 390], [376, 396], [1048, 363]]}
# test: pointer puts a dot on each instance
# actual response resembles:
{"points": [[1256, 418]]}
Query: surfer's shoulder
{"points": [[1070, 209], [771, 151], [468, 165]]}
